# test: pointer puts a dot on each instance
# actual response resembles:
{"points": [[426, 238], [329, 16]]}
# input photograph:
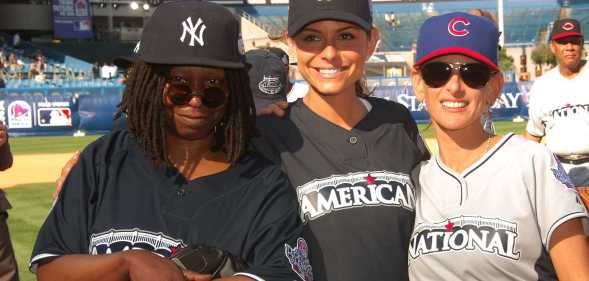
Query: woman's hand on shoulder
{"points": [[277, 108], [146, 266]]}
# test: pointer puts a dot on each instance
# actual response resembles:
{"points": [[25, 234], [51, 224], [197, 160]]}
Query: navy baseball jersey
{"points": [[115, 199], [354, 188], [494, 220]]}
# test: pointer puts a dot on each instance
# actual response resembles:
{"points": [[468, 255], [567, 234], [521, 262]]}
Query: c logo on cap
{"points": [[568, 26], [454, 31]]}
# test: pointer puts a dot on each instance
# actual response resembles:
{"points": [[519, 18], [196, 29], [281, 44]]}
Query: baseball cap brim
{"points": [[264, 102], [299, 24], [124, 62], [565, 34], [197, 61], [461, 51]]}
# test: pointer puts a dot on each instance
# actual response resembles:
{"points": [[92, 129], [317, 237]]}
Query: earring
{"points": [[487, 122]]}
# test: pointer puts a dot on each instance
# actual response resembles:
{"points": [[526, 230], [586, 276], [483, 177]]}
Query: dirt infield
{"points": [[33, 168]]}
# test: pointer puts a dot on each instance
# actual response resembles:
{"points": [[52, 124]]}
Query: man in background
{"points": [[559, 104]]}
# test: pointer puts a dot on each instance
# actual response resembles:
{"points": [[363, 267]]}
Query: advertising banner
{"points": [[72, 19]]}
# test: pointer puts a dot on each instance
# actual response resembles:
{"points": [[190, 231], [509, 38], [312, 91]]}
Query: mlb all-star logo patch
{"points": [[561, 175], [114, 240], [270, 85], [298, 256], [191, 29]]}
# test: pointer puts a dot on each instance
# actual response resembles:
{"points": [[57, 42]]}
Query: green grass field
{"points": [[32, 202], [30, 205]]}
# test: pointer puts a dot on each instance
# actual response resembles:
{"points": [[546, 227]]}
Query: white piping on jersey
{"points": [[33, 264], [366, 104], [560, 221], [460, 178], [249, 275]]}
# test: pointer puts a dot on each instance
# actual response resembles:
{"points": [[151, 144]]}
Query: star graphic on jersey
{"points": [[370, 179], [173, 250], [561, 175], [449, 226]]}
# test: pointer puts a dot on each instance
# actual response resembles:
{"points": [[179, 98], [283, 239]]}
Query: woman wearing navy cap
{"points": [[180, 174], [488, 207], [348, 155]]}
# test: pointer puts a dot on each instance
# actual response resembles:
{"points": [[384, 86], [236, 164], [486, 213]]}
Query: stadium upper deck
{"points": [[523, 19]]}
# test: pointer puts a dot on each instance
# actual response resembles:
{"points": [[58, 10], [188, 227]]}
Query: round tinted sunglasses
{"points": [[180, 93], [475, 75]]}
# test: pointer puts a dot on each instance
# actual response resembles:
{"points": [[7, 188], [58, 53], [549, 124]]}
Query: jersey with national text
{"points": [[353, 187], [559, 111], [115, 199], [494, 220]]}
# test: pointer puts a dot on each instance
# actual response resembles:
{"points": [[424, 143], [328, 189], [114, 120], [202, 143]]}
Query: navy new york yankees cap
{"points": [[192, 32], [565, 28], [458, 33], [267, 77], [304, 12]]}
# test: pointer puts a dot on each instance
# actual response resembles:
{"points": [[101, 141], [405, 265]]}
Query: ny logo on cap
{"points": [[453, 28], [191, 29], [568, 26]]}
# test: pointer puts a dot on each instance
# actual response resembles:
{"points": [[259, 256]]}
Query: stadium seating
{"points": [[524, 19]]}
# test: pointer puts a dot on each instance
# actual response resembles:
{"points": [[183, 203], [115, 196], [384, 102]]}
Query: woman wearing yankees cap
{"points": [[488, 207], [180, 174]]}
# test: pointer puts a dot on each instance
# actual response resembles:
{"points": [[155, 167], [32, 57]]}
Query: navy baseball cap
{"points": [[565, 28], [304, 12], [281, 54], [267, 77], [192, 32], [458, 33]]}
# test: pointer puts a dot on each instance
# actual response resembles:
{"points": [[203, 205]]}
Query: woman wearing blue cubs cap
{"points": [[348, 155], [180, 175], [488, 207]]}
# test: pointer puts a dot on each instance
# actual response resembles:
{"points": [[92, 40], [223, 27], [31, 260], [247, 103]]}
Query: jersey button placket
{"points": [[353, 140]]}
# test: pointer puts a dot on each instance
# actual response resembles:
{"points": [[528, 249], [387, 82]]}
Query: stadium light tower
{"points": [[500, 23]]}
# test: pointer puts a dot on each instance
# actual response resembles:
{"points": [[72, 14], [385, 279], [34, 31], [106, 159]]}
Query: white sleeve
{"points": [[556, 198], [535, 126]]}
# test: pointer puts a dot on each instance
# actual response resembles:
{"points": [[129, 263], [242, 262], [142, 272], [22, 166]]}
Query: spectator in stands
{"points": [[463, 191], [15, 66], [8, 267], [96, 71]]}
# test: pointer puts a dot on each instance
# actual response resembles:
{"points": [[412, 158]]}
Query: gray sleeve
{"points": [[556, 199]]}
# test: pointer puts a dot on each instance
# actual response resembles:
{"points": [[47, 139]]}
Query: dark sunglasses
{"points": [[475, 75], [572, 40], [180, 93]]}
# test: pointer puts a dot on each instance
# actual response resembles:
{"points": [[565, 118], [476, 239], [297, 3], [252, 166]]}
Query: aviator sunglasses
{"points": [[180, 93], [475, 75]]}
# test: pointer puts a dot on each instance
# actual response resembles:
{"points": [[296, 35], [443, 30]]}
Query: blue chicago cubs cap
{"points": [[192, 32], [458, 33]]}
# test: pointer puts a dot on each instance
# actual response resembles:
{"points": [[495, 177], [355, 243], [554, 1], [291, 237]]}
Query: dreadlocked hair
{"points": [[234, 132], [142, 103]]}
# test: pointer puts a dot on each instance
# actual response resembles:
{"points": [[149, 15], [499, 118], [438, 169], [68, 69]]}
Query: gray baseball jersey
{"points": [[494, 220], [353, 187]]}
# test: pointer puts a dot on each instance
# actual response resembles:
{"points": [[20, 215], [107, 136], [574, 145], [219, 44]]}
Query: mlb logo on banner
{"points": [[54, 117]]}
